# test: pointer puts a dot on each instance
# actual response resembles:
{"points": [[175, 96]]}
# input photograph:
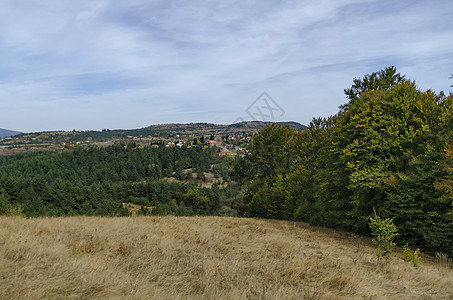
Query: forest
{"points": [[98, 180], [388, 150]]}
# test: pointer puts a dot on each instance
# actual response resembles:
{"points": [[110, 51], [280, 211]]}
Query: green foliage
{"points": [[7, 209], [384, 232], [386, 148], [411, 256], [386, 153], [198, 203], [445, 184], [161, 209], [144, 211], [5, 205], [96, 181], [227, 211], [270, 151], [381, 80], [270, 158], [309, 295], [200, 174]]}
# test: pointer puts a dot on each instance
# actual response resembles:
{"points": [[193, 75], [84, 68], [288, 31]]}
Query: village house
{"points": [[226, 152], [214, 143]]}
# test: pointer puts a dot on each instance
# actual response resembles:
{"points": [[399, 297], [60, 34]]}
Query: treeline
{"points": [[388, 149], [96, 181], [107, 134]]}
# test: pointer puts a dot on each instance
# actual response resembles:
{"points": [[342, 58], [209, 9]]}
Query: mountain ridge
{"points": [[175, 126], [7, 132], [262, 124], [243, 124]]}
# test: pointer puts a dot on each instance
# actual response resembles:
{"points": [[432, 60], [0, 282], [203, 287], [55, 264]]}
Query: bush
{"points": [[383, 231], [227, 211], [7, 209], [144, 211], [411, 256]]}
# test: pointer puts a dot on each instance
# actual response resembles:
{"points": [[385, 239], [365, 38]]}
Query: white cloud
{"points": [[96, 64]]}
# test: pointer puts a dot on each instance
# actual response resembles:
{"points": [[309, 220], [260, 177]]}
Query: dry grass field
{"points": [[201, 258]]}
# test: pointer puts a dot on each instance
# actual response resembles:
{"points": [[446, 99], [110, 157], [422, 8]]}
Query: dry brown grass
{"points": [[201, 258]]}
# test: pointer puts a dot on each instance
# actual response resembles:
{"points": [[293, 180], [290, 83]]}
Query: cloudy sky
{"points": [[93, 64]]}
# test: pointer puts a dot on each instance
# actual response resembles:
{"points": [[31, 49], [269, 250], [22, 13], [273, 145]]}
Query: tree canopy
{"points": [[388, 149]]}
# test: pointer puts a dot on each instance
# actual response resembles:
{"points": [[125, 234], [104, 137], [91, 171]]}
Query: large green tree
{"points": [[386, 151], [445, 184], [269, 159], [381, 80], [387, 147], [270, 151]]}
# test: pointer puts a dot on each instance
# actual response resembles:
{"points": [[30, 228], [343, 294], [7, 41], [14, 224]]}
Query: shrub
{"points": [[411, 256], [383, 231], [309, 295], [226, 211], [7, 209]]}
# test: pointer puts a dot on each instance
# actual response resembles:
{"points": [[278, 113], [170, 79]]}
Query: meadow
{"points": [[202, 258]]}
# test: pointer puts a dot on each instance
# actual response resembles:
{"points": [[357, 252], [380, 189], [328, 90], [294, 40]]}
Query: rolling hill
{"points": [[202, 258], [261, 124]]}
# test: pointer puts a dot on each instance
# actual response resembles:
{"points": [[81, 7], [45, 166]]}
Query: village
{"points": [[229, 144]]}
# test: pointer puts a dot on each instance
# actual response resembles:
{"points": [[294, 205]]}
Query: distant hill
{"points": [[247, 125], [184, 126], [261, 124], [7, 132], [159, 130]]}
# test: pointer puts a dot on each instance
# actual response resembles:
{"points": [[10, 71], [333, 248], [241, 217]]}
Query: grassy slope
{"points": [[200, 258]]}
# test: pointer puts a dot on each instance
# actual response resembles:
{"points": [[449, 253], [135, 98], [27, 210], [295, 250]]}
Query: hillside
{"points": [[7, 132], [261, 124], [63, 140], [201, 258]]}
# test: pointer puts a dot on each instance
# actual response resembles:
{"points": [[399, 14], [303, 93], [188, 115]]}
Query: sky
{"points": [[89, 65]]}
